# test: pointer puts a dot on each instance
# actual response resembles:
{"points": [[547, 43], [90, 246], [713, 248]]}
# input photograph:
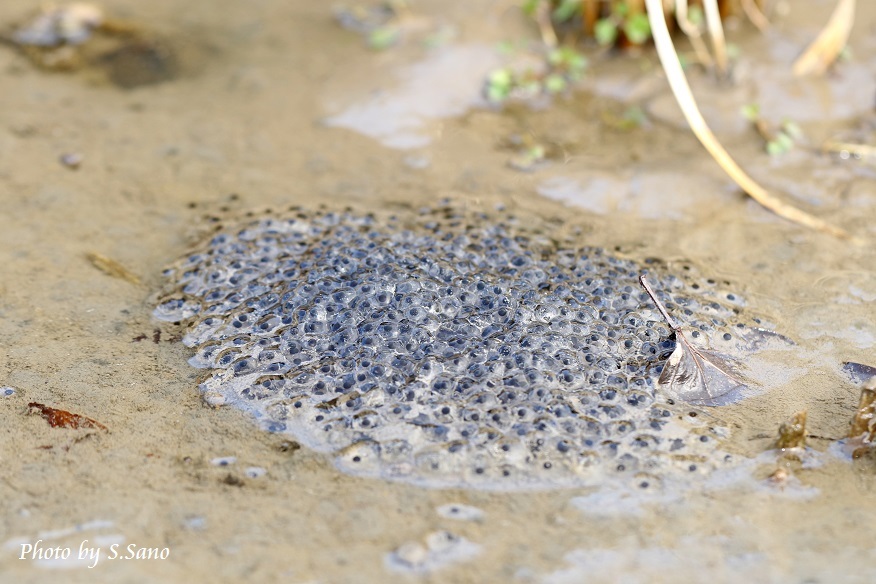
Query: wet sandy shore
{"points": [[252, 121]]}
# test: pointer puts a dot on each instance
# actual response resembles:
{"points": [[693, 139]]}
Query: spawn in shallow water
{"points": [[446, 348]]}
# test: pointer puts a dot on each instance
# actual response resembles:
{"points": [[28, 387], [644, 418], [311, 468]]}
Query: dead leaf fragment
{"points": [[698, 376], [694, 374], [755, 15], [64, 419], [864, 421], [792, 433], [111, 267], [858, 373], [716, 32]]}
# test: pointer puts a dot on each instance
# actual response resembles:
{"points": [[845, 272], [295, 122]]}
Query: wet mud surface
{"points": [[253, 120]]}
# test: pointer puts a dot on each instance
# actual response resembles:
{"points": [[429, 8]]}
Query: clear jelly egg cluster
{"points": [[446, 348]]}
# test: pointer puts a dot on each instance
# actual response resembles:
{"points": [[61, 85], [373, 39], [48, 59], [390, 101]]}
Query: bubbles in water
{"points": [[439, 549], [460, 512], [255, 472], [224, 461]]}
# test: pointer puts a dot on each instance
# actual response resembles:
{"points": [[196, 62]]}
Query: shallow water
{"points": [[247, 123]]}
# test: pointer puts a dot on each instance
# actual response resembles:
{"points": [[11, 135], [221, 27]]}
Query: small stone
{"points": [[441, 549], [195, 523], [71, 160]]}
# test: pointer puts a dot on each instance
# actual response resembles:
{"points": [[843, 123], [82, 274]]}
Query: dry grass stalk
{"points": [[755, 15], [693, 33], [590, 14], [830, 42], [636, 6], [545, 26], [685, 99], [850, 149], [716, 32], [111, 267]]}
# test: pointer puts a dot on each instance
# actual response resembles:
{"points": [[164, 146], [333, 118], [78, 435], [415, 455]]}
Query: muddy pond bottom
{"points": [[450, 348]]}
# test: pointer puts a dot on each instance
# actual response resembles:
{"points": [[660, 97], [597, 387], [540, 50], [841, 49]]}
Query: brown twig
{"points": [[589, 15]]}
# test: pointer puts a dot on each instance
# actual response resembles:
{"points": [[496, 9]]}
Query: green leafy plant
{"points": [[778, 140], [500, 83], [565, 66], [784, 139], [383, 37], [565, 10], [634, 25]]}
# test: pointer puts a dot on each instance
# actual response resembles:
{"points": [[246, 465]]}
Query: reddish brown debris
{"points": [[64, 419]]}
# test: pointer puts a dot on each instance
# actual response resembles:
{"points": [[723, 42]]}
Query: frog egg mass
{"points": [[445, 347]]}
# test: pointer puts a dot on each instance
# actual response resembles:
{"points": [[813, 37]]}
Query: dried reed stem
{"points": [[685, 99]]}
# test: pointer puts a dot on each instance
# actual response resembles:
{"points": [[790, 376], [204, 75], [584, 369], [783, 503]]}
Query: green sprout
{"points": [[633, 117], [565, 10], [733, 51], [499, 85], [605, 31], [565, 66], [536, 153], [530, 154], [555, 83], [505, 47], [383, 37], [751, 112], [695, 15], [637, 29], [568, 61], [792, 130], [779, 142], [530, 6], [787, 136]]}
